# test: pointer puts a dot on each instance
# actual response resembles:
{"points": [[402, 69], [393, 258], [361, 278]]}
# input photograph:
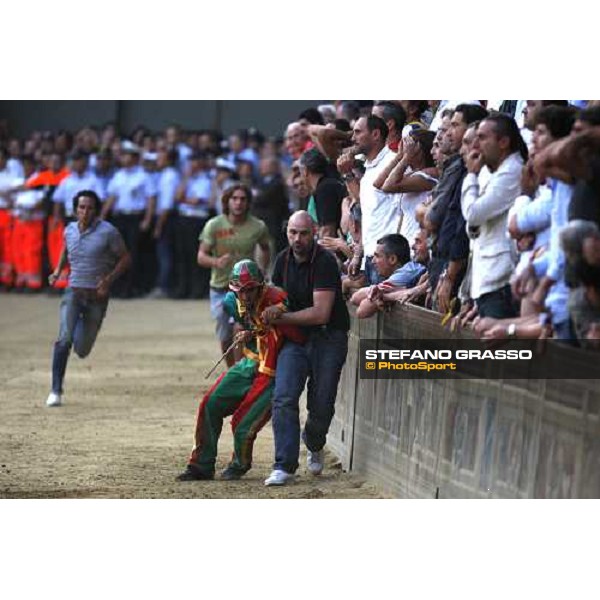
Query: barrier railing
{"points": [[466, 438]]}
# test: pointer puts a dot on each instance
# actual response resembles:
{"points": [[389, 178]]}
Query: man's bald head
{"points": [[300, 232], [295, 139], [302, 219], [293, 127]]}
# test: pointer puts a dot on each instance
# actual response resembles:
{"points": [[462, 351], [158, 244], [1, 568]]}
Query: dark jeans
{"points": [[320, 361], [564, 332], [128, 285], [164, 256], [192, 280], [148, 261], [436, 266], [497, 304], [81, 317]]}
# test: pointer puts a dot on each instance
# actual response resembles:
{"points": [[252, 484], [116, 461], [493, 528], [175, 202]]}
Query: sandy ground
{"points": [[125, 430]]}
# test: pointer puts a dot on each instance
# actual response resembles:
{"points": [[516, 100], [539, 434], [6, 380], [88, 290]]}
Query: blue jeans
{"points": [[81, 317], [164, 256], [320, 361]]}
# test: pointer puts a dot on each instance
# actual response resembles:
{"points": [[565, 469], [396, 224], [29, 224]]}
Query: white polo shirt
{"points": [[132, 188], [168, 182], [7, 181], [72, 185], [380, 211], [15, 166], [25, 202], [199, 188]]}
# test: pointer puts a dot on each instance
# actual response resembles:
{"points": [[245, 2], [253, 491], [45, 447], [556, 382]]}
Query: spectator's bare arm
{"points": [[398, 181], [360, 295], [541, 291], [530, 179], [354, 266], [568, 158], [407, 184], [107, 207], [367, 308], [336, 244], [345, 218], [205, 258], [447, 283], [327, 230], [524, 328], [180, 193], [350, 285], [150, 208], [264, 256], [391, 167], [412, 294], [328, 141], [345, 165]]}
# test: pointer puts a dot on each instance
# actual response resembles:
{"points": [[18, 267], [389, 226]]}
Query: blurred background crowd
{"points": [[487, 212]]}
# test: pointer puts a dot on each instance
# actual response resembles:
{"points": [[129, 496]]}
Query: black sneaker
{"points": [[192, 473], [232, 473]]}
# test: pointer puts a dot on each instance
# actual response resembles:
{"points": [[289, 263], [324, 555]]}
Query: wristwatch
{"points": [[348, 177], [511, 330]]}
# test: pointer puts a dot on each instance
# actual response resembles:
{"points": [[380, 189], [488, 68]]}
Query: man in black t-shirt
{"points": [[311, 278], [327, 191]]}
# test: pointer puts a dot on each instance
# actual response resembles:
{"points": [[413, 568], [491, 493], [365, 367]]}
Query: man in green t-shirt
{"points": [[225, 240]]}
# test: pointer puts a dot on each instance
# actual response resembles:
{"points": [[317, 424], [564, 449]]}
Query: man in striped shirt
{"points": [[97, 256]]}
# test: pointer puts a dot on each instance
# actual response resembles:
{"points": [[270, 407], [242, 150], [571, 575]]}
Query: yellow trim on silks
{"points": [[260, 330], [263, 351], [266, 371], [241, 308], [262, 368], [251, 355]]}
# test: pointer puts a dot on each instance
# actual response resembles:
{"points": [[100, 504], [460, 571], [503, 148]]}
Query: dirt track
{"points": [[126, 427]]}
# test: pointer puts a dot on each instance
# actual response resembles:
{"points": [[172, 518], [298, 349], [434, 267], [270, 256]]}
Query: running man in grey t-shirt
{"points": [[97, 256]]}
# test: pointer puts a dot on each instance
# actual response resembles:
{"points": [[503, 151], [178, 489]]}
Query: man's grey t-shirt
{"points": [[93, 253]]}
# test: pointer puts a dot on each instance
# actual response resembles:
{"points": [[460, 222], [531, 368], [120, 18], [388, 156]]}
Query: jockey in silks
{"points": [[245, 389]]}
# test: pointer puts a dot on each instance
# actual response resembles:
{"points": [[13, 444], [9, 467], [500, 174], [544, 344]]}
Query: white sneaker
{"points": [[279, 477], [54, 399], [315, 462]]}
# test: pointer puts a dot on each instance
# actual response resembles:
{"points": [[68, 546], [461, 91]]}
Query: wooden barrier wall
{"points": [[466, 438]]}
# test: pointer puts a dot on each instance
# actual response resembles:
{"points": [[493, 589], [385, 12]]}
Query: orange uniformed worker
{"points": [[47, 181], [28, 231]]}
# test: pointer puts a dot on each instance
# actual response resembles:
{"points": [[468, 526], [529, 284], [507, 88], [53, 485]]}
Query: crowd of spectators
{"points": [[498, 201], [485, 212], [158, 188]]}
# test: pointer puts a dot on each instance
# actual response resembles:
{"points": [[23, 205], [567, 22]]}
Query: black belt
{"points": [[87, 293]]}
